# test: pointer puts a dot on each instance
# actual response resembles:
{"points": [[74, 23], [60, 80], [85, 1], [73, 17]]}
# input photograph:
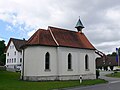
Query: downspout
{"points": [[58, 71], [23, 66]]}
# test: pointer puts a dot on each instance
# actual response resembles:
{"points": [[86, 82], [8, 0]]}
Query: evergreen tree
{"points": [[2, 55]]}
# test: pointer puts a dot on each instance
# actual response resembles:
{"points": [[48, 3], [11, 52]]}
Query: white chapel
{"points": [[58, 54]]}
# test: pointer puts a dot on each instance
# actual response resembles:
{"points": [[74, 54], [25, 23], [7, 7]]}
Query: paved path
{"points": [[109, 79], [113, 84]]}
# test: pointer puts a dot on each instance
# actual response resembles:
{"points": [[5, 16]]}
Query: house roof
{"points": [[101, 54], [17, 42], [59, 37], [109, 61]]}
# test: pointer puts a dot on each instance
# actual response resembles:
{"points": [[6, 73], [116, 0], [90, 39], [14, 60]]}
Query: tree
{"points": [[2, 49], [114, 53]]}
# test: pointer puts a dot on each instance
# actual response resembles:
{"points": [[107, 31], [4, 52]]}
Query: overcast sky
{"points": [[101, 19]]}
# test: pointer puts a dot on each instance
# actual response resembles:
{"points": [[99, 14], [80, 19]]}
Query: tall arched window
{"points": [[86, 62], [69, 61], [47, 61]]}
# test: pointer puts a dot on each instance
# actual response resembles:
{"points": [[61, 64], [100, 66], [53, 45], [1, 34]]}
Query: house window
{"points": [[7, 60], [15, 53], [86, 62], [20, 60], [14, 60], [69, 61], [7, 54], [47, 61], [10, 61]]}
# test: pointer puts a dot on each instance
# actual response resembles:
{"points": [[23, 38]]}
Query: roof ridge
{"points": [[53, 36], [17, 39], [62, 29]]}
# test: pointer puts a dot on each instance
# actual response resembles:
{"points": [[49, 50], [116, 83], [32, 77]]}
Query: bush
{"points": [[97, 74], [2, 68], [115, 72]]}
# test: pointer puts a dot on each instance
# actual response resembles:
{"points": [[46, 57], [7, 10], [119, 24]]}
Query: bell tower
{"points": [[79, 26]]}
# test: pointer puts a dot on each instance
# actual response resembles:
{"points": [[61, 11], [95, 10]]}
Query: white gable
{"points": [[13, 56]]}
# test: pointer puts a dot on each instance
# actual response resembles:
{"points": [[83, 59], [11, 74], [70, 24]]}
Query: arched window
{"points": [[47, 61], [86, 62], [69, 61]]}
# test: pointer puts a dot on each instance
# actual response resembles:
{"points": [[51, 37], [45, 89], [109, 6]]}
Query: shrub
{"points": [[2, 68], [97, 73]]}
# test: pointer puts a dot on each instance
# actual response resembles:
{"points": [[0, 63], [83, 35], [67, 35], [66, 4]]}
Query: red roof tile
{"points": [[41, 37], [60, 37], [71, 38]]}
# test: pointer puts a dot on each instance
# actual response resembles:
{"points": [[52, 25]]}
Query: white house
{"points": [[58, 54], [14, 54]]}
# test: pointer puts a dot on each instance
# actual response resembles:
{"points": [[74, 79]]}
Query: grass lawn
{"points": [[10, 81], [115, 74]]}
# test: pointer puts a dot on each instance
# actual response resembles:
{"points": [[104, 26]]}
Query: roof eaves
{"points": [[78, 47], [38, 45]]}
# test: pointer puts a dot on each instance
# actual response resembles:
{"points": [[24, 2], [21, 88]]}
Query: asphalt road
{"points": [[113, 84], [109, 86]]}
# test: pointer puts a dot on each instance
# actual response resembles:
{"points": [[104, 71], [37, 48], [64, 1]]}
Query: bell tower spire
{"points": [[79, 25]]}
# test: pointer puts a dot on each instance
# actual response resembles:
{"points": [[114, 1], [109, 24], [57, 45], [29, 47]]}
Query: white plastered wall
{"points": [[78, 61], [34, 61]]}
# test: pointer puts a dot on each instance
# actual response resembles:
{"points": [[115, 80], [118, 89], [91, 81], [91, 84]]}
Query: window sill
{"points": [[47, 70], [70, 70]]}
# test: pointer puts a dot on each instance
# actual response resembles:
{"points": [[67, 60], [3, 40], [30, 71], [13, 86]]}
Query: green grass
{"points": [[10, 81], [115, 74]]}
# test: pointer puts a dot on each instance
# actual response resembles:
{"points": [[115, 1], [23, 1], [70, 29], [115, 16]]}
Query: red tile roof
{"points": [[60, 37], [71, 38], [41, 37]]}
